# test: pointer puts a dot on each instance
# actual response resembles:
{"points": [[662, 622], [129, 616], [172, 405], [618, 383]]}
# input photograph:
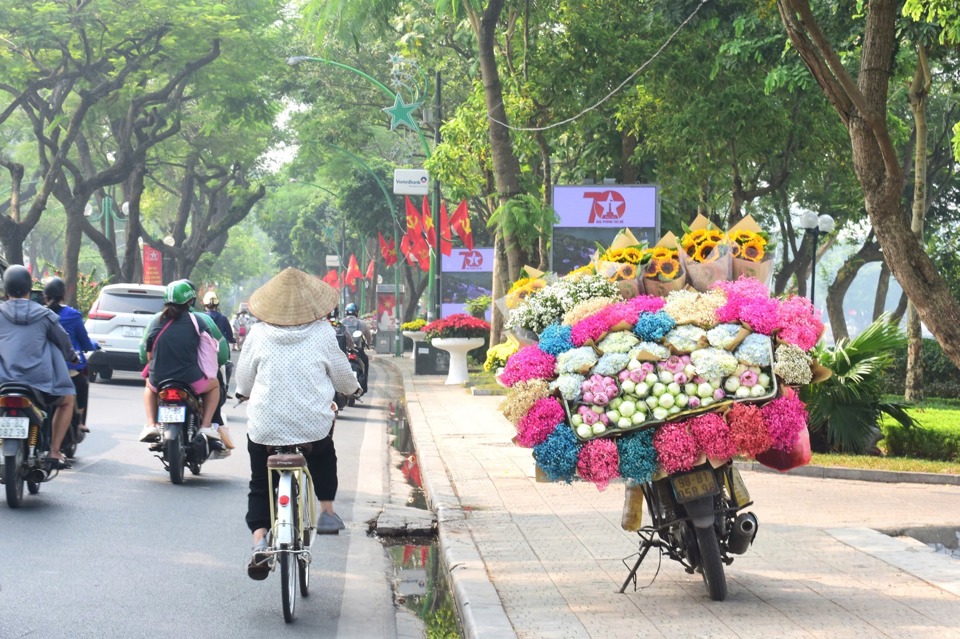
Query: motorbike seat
{"points": [[14, 388]]}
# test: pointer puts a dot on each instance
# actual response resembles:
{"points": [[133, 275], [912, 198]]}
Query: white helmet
{"points": [[211, 299]]}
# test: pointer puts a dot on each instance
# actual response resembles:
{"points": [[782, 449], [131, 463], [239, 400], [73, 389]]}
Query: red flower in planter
{"points": [[459, 325]]}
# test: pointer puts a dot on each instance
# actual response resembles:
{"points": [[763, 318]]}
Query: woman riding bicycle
{"points": [[290, 368]]}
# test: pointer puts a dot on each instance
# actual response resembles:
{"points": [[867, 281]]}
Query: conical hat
{"points": [[293, 297]]}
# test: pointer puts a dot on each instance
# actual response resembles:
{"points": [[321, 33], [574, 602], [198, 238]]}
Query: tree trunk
{"points": [[499, 290], [883, 288], [869, 252], [919, 88], [71, 252], [862, 106]]}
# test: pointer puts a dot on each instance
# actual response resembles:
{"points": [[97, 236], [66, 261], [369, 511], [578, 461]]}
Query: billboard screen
{"points": [[593, 214], [465, 274]]}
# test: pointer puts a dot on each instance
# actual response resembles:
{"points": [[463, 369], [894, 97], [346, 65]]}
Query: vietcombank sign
{"points": [[411, 181]]}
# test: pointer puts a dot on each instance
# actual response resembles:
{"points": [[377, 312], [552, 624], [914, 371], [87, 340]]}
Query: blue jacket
{"points": [[72, 322]]}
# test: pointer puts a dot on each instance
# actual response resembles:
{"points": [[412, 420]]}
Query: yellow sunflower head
{"points": [[627, 271], [707, 252], [653, 267], [697, 236], [735, 249], [632, 255], [523, 281], [661, 253], [714, 235], [669, 269], [752, 251]]}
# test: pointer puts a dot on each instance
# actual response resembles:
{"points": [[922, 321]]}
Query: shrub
{"points": [[479, 306], [941, 377], [925, 442]]}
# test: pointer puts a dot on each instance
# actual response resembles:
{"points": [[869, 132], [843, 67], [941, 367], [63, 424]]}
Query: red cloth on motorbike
{"points": [[783, 461]]}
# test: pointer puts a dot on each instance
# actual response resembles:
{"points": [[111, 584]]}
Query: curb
{"points": [[857, 474], [481, 611]]}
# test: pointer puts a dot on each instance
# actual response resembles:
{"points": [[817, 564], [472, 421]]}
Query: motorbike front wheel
{"points": [[711, 563], [12, 479], [175, 460]]}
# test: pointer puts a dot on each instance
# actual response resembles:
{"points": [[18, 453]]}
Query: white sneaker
{"points": [[150, 433], [210, 433]]}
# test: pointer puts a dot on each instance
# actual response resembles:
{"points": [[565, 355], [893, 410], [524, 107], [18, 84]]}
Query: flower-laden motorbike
{"points": [[696, 519]]}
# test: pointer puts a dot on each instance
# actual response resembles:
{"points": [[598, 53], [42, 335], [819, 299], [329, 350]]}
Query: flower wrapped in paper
{"points": [[621, 263], [663, 272], [532, 280], [705, 254], [751, 251]]}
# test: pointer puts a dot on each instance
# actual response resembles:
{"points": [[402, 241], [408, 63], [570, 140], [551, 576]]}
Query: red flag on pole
{"points": [[446, 246], [332, 278], [369, 274], [388, 250], [353, 272], [460, 222], [420, 253], [414, 224], [429, 231]]}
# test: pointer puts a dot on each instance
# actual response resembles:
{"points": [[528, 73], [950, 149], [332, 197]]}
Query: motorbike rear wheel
{"points": [[711, 564], [12, 480], [176, 460]]}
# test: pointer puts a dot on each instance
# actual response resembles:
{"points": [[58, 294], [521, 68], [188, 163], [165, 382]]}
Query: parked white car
{"points": [[116, 322]]}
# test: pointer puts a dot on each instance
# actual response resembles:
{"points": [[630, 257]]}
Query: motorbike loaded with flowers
{"points": [[662, 381]]}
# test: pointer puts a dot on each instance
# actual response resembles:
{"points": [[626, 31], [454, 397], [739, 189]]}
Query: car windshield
{"points": [[130, 303]]}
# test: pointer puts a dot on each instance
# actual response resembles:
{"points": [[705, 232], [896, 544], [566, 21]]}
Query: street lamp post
{"points": [[812, 223]]}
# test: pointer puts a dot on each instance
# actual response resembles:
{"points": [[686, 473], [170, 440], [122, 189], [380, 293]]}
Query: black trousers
{"points": [[322, 462]]}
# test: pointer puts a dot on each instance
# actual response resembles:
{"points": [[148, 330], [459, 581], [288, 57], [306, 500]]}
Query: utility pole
{"points": [[437, 299]]}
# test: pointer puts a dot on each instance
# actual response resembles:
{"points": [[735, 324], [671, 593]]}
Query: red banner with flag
{"points": [[369, 274], [460, 222], [429, 231], [414, 223], [152, 266], [388, 250]]}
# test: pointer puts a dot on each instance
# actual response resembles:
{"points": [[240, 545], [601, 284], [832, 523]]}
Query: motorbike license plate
{"points": [[132, 331], [14, 427], [690, 486], [171, 414]]}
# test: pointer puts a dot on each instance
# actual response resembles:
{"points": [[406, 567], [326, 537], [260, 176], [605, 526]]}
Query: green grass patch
{"points": [[483, 380], [937, 438], [897, 464]]}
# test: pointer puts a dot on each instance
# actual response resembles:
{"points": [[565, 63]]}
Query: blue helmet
{"points": [[351, 309]]}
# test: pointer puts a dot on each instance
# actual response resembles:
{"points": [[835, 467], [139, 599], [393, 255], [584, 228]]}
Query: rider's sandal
{"points": [[58, 463], [259, 567]]}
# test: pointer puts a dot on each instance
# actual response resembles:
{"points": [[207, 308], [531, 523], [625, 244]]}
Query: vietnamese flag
{"points": [[388, 250], [446, 246], [369, 274], [332, 278], [353, 272], [460, 222], [420, 253], [428, 229]]}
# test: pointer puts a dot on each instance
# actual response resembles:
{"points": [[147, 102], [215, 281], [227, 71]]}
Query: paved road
{"points": [[113, 549]]}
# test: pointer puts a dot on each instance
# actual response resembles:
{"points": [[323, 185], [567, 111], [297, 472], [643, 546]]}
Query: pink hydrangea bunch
{"points": [[643, 304], [599, 462], [677, 450], [590, 329], [528, 363], [798, 323], [747, 429], [713, 435], [539, 422], [784, 417]]}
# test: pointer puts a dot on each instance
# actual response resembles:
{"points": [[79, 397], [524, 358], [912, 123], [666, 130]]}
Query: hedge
{"points": [[941, 377], [937, 438]]}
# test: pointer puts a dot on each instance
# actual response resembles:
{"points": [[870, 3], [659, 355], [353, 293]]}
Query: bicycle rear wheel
{"points": [[290, 561]]}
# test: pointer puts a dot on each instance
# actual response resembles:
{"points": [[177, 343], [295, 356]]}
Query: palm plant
{"points": [[846, 408]]}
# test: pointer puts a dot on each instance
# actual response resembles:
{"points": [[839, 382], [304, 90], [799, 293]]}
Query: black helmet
{"points": [[54, 288], [334, 313], [351, 309], [17, 280]]}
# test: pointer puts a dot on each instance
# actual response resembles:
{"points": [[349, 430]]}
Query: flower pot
{"points": [[458, 347], [414, 336]]}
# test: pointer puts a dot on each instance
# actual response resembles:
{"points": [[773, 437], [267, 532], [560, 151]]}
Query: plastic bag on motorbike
{"points": [[783, 461]]}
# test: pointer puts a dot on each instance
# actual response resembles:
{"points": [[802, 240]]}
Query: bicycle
{"points": [[290, 532]]}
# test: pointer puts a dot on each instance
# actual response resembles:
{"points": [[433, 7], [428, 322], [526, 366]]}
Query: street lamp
{"points": [[812, 223]]}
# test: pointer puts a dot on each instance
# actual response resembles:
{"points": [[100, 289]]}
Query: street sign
{"points": [[411, 181], [333, 261]]}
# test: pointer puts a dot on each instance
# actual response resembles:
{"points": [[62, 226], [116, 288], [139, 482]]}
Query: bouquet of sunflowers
{"points": [[705, 254], [751, 252], [621, 262], [663, 271]]}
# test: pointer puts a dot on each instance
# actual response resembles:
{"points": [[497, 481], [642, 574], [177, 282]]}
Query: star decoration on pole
{"points": [[402, 113]]}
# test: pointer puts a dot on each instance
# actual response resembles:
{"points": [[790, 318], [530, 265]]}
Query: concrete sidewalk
{"points": [[538, 560]]}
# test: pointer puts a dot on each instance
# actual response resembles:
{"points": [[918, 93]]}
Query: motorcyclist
{"points": [[353, 324], [34, 350], [212, 303], [344, 338], [54, 291]]}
